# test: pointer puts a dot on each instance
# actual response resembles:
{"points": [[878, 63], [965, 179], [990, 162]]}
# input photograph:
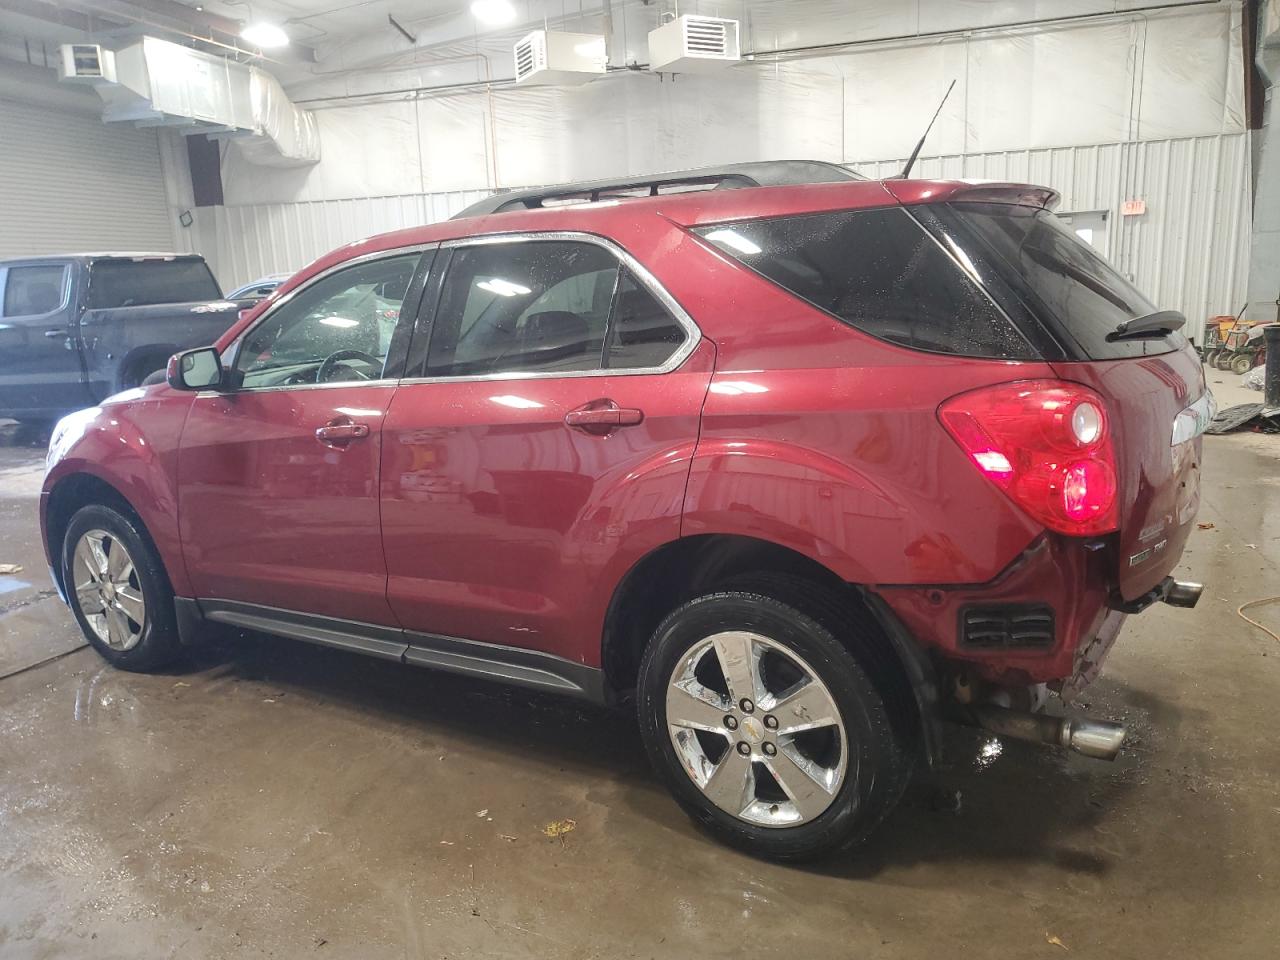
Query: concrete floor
{"points": [[281, 800]]}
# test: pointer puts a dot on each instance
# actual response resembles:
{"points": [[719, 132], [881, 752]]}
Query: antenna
{"points": [[911, 160]]}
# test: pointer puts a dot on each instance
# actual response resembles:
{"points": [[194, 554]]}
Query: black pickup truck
{"points": [[77, 328]]}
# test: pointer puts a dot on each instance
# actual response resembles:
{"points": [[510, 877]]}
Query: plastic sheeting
{"points": [[285, 135], [1166, 74], [173, 84]]}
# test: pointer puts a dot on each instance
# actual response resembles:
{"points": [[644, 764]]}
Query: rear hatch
{"points": [[1153, 385]]}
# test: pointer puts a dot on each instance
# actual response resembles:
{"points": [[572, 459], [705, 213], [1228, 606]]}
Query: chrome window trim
{"points": [[234, 345], [693, 335]]}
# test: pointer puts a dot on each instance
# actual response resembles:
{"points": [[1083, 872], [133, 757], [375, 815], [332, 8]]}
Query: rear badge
{"points": [[1145, 555]]}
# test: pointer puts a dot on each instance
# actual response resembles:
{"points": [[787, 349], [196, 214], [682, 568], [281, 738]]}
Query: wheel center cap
{"points": [[108, 591], [752, 729]]}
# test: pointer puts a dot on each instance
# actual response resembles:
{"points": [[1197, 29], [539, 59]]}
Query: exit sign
{"points": [[1133, 208]]}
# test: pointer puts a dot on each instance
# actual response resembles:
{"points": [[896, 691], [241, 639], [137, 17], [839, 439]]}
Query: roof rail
{"points": [[770, 173]]}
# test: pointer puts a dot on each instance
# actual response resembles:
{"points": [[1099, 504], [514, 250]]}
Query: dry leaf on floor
{"points": [[1205, 526], [1051, 939], [558, 828], [10, 568], [482, 813], [506, 836]]}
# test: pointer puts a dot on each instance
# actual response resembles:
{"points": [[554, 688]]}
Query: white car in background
{"points": [[262, 287]]}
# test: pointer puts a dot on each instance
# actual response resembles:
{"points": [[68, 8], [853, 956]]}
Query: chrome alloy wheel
{"points": [[756, 730], [107, 590]]}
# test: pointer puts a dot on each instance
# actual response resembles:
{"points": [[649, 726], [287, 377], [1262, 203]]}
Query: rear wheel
{"points": [[1243, 363], [1211, 357], [767, 730], [1223, 360], [118, 589]]}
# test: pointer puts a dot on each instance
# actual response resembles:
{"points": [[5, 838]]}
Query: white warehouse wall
{"points": [[1143, 106]]}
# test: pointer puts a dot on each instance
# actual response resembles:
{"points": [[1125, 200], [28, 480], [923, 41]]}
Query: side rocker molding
{"points": [[513, 665]]}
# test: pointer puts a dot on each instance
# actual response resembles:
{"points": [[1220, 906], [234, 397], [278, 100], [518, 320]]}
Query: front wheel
{"points": [[118, 590], [766, 728]]}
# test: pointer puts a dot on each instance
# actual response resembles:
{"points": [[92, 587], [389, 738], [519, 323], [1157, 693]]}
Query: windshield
{"points": [[1073, 287]]}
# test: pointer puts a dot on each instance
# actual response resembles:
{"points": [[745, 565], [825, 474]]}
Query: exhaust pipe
{"points": [[1093, 738], [1183, 593]]}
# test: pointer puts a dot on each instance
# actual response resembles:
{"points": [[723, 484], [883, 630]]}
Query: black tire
{"points": [[1223, 360], [158, 642], [1211, 357], [141, 370], [819, 629], [1242, 364]]}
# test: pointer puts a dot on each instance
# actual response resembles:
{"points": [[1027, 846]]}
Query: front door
{"points": [[40, 372], [278, 479], [542, 449]]}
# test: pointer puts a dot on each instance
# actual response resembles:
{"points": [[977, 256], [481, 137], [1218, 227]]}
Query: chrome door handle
{"points": [[340, 434], [55, 334]]}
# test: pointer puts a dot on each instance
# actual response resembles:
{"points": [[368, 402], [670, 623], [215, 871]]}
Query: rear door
{"points": [[40, 368], [542, 443]]}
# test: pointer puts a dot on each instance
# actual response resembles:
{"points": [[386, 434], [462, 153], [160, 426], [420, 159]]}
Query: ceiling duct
{"points": [[546, 57], [694, 44], [158, 83]]}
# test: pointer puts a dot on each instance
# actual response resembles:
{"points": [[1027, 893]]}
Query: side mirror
{"points": [[199, 369]]}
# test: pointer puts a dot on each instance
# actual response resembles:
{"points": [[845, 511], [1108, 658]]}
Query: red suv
{"points": [[801, 462]]}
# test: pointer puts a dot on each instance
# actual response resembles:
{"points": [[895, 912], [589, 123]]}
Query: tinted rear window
{"points": [[1074, 287], [140, 283], [878, 271]]}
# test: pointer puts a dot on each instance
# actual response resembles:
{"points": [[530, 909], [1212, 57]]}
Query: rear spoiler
{"points": [[973, 191]]}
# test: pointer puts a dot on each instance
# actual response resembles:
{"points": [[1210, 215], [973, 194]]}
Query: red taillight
{"points": [[1047, 444]]}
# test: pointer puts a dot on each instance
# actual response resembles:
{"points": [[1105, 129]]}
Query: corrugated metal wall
{"points": [[244, 243], [69, 183], [1190, 250]]}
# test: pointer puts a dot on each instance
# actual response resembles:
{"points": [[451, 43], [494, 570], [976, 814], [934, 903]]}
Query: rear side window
{"points": [[35, 290], [141, 283], [524, 307], [643, 334], [879, 271], [546, 306], [1075, 288]]}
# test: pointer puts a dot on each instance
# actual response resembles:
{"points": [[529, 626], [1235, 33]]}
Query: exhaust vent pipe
{"points": [[1093, 738], [1183, 593]]}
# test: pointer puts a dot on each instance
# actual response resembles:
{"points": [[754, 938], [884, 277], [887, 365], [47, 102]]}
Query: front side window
{"points": [[35, 290], [879, 271], [146, 282], [337, 329]]}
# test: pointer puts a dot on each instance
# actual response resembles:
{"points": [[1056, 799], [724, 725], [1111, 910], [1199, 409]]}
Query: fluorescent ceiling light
{"points": [[268, 36], [503, 288], [731, 238], [343, 322], [494, 13]]}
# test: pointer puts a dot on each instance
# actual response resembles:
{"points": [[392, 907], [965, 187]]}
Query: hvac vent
{"points": [[546, 57], [693, 44], [86, 63]]}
